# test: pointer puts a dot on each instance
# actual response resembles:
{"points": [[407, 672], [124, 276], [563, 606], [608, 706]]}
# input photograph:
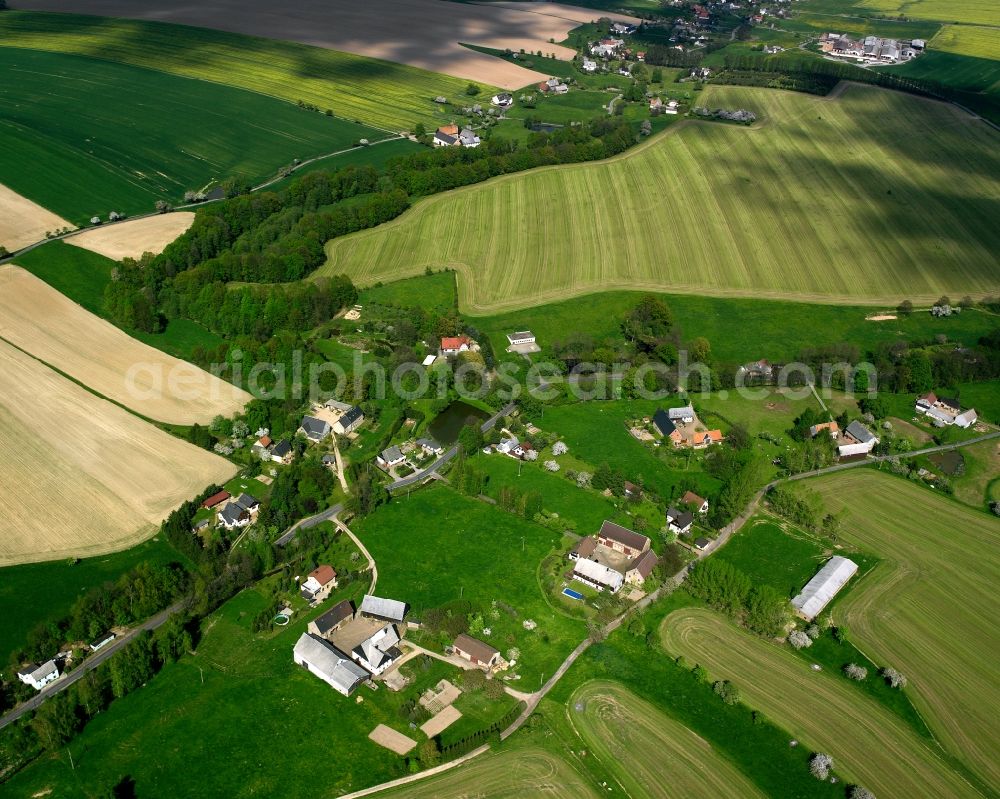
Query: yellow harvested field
{"points": [[649, 753], [870, 745], [51, 327], [23, 222], [422, 33], [133, 238], [391, 739], [80, 475]]}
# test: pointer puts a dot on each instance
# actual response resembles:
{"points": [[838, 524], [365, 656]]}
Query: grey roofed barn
{"points": [[315, 429], [329, 664], [351, 416], [388, 609], [859, 432]]}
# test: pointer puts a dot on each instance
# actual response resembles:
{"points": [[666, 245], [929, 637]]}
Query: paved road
{"points": [[424, 474], [309, 521], [89, 664]]}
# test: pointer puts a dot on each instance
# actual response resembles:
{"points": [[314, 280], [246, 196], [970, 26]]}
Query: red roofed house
{"points": [[321, 581], [831, 427], [703, 439], [693, 500], [216, 499], [452, 345]]}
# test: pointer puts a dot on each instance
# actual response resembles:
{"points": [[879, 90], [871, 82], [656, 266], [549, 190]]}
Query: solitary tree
{"points": [[855, 672], [893, 677], [799, 639], [820, 765], [858, 792]]}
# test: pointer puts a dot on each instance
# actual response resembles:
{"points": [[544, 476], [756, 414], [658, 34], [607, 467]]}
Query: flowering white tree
{"points": [[820, 765], [894, 678], [856, 672], [583, 479], [559, 448], [799, 639], [857, 792], [812, 631], [552, 466], [531, 455]]}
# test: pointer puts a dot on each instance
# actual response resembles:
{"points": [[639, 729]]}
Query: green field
{"points": [[379, 93], [977, 75], [430, 292], [869, 744], [36, 593], [722, 210], [82, 275], [927, 609], [436, 546], [650, 753], [984, 397], [376, 156], [973, 12], [980, 484], [84, 136], [970, 40]]}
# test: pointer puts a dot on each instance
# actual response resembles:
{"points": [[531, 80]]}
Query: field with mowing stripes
{"points": [[84, 136], [869, 744], [969, 40], [930, 607], [724, 210], [973, 12], [375, 92], [650, 753]]}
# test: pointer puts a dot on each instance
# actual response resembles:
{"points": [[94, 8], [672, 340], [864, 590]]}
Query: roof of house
{"points": [[663, 423], [338, 405], [37, 672], [447, 138], [950, 402], [691, 498], [232, 513], [599, 573], [329, 458], [354, 414], [380, 647], [247, 501], [215, 499], [384, 608], [644, 564], [859, 432], [585, 547], [264, 441], [630, 538], [833, 427], [468, 135], [680, 518], [428, 443], [323, 574], [685, 412], [448, 130], [631, 488], [334, 616], [391, 454], [480, 650], [314, 427], [329, 661], [970, 416], [701, 542], [282, 448], [454, 342], [824, 586]]}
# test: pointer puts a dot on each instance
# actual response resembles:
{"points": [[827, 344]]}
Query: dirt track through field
{"points": [[133, 238], [81, 476], [23, 222], [422, 33], [41, 321]]}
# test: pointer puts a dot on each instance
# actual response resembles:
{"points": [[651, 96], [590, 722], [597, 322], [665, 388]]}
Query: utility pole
{"points": [[72, 765]]}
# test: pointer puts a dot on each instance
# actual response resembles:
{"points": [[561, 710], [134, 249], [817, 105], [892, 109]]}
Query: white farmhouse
{"points": [[40, 675]]}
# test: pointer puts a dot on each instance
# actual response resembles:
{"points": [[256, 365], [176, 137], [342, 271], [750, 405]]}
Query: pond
{"points": [[449, 423]]}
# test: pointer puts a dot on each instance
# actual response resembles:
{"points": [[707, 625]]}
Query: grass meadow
{"points": [[928, 607], [84, 136], [711, 209], [437, 546], [869, 744], [970, 40], [380, 93], [972, 12]]}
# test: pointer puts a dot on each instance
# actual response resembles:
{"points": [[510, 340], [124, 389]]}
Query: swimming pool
{"points": [[572, 594]]}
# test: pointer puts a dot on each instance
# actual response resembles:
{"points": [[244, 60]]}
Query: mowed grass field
{"points": [[85, 136], [521, 771], [651, 754], [973, 12], [380, 93], [969, 40], [46, 324], [723, 210], [870, 745], [930, 608], [80, 476]]}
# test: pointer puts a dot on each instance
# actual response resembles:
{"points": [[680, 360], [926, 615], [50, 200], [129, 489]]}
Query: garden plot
{"points": [[392, 740], [441, 721]]}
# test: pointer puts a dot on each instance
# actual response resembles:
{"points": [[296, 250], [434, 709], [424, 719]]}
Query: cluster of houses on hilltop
{"points": [[616, 556], [944, 411], [856, 439], [345, 648], [453, 136], [680, 426], [553, 86], [871, 49]]}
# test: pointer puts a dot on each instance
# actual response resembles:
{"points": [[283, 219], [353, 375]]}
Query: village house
{"points": [[468, 138], [666, 427], [318, 585], [446, 136], [589, 65], [453, 345], [262, 447], [632, 490], [832, 428], [597, 575], [39, 675], [520, 338], [330, 460], [584, 548], [380, 651], [704, 438], [655, 105], [622, 28], [430, 446], [325, 661], [701, 542], [390, 456], [510, 446], [389, 610], [240, 512], [282, 452], [621, 539], [761, 371], [692, 500], [502, 100], [639, 569], [103, 641], [554, 86], [685, 415], [856, 440], [350, 421], [679, 521], [331, 621], [606, 47], [671, 107], [479, 653], [314, 429]]}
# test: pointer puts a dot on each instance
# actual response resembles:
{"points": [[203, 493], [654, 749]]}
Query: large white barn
{"points": [[824, 586]]}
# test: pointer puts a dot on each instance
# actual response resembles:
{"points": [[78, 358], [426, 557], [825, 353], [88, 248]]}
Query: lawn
{"points": [[562, 109], [969, 40], [928, 607], [763, 409], [36, 593], [984, 397], [869, 744], [980, 484], [81, 136], [436, 546], [380, 93], [376, 155], [431, 292], [715, 209], [242, 692], [952, 69]]}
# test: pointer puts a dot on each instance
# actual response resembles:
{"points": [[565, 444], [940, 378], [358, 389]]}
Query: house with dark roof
{"points": [[679, 521], [639, 569], [479, 653], [331, 621], [332, 666], [390, 456], [584, 548], [282, 452], [241, 512], [314, 429], [666, 427], [350, 421], [856, 440], [621, 539], [430, 446]]}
